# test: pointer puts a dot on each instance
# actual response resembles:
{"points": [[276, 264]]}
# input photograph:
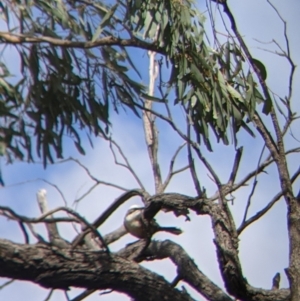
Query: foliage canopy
{"points": [[75, 65]]}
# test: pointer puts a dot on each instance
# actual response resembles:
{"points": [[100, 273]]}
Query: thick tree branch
{"points": [[186, 268], [56, 268]]}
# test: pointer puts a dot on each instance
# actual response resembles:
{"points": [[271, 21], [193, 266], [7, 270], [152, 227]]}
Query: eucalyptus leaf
{"points": [[105, 21]]}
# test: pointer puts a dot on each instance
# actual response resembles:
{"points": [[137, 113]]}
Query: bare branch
{"points": [[8, 212], [49, 295], [102, 218], [235, 167], [38, 237], [98, 182], [276, 282], [127, 165], [21, 224], [58, 190], [253, 188], [150, 129], [6, 283], [43, 218], [249, 199], [43, 204], [191, 160], [260, 213], [171, 172], [287, 55], [83, 295]]}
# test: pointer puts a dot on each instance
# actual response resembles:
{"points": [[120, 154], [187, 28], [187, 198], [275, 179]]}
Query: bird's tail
{"points": [[172, 230]]}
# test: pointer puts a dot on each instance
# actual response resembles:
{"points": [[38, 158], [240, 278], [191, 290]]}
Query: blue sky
{"points": [[263, 246]]}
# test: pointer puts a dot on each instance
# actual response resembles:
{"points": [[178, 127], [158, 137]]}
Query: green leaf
{"points": [[79, 148], [3, 147], [267, 106], [105, 21], [234, 93], [261, 67], [222, 84]]}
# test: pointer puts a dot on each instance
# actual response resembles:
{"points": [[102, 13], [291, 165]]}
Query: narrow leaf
{"points": [[104, 22]]}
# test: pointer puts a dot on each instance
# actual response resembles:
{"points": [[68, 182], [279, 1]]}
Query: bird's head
{"points": [[134, 211]]}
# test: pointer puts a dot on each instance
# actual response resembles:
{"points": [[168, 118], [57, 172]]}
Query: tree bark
{"points": [[56, 268]]}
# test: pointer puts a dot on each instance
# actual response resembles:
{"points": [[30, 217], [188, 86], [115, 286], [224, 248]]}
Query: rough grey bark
{"points": [[56, 268]]}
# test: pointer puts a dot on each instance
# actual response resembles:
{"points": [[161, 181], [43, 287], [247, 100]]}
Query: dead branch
{"points": [[52, 229], [262, 212], [150, 129], [127, 165], [236, 164], [171, 172]]}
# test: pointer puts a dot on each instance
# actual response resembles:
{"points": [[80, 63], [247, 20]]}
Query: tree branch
{"points": [[51, 267], [102, 218], [13, 38], [186, 268]]}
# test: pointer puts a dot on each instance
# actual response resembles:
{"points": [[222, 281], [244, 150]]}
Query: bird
{"points": [[137, 225]]}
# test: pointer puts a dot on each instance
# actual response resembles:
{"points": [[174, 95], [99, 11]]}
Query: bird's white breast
{"points": [[133, 224]]}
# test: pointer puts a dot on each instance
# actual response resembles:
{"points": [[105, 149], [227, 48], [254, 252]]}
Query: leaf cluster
{"points": [[210, 83], [62, 90], [65, 89]]}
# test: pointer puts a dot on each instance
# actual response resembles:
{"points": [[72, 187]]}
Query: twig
{"points": [[253, 188], [79, 219], [127, 165], [83, 295], [8, 212], [49, 295], [191, 160], [259, 213], [98, 182], [58, 190], [171, 172], [21, 224], [208, 166], [268, 207], [38, 237], [6, 283], [288, 56]]}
